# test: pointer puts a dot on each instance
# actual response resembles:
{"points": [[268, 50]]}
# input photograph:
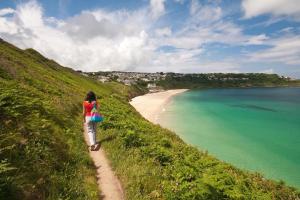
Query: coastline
{"points": [[150, 105]]}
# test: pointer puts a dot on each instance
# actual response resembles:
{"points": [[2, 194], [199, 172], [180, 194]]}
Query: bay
{"points": [[257, 129]]}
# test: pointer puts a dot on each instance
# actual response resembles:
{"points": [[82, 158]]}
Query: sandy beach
{"points": [[151, 105]]}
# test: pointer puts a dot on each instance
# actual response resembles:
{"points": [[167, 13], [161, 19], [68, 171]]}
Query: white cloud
{"points": [[94, 24], [258, 39], [166, 31], [195, 34], [204, 13], [285, 50], [30, 15], [132, 40], [206, 25], [6, 11], [194, 6], [183, 42], [91, 41], [186, 61], [110, 40], [254, 8], [286, 30], [157, 8]]}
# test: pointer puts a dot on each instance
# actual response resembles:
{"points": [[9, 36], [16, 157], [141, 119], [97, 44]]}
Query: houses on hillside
{"points": [[127, 78], [150, 80]]}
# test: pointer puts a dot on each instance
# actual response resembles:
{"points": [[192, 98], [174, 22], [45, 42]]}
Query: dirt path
{"points": [[108, 183]]}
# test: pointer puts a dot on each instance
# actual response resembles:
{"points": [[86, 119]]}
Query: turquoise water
{"points": [[257, 129]]}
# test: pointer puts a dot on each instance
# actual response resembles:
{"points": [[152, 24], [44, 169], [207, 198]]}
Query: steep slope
{"points": [[43, 155]]}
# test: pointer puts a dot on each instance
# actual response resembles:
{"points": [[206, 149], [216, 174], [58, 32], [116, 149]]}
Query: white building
{"points": [[128, 82], [103, 79], [151, 85]]}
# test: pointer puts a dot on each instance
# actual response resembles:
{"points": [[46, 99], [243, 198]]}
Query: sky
{"points": [[185, 36]]}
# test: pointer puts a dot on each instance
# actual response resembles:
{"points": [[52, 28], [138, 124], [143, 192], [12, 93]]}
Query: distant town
{"points": [[152, 81], [129, 78]]}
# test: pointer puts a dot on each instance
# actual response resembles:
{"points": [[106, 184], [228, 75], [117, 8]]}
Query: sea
{"points": [[257, 129]]}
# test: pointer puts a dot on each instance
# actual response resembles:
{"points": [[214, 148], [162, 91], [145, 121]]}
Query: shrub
{"points": [[132, 139], [165, 143]]}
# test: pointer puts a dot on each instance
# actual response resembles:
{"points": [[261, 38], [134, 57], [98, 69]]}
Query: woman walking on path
{"points": [[89, 103]]}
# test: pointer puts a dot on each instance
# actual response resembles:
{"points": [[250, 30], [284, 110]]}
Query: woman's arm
{"points": [[83, 112]]}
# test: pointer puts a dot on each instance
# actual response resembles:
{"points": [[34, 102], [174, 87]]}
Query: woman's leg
{"points": [[91, 132], [94, 131]]}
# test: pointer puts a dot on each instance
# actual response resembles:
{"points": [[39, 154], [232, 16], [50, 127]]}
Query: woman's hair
{"points": [[90, 96]]}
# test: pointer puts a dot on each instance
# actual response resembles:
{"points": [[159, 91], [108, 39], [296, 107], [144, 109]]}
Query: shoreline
{"points": [[150, 105]]}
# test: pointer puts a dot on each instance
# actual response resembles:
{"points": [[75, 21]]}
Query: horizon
{"points": [[280, 75], [178, 36]]}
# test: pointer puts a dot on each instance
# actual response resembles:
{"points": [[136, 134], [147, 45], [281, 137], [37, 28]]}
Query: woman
{"points": [[88, 105]]}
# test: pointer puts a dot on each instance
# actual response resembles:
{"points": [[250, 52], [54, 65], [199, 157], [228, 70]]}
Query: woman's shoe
{"points": [[92, 148]]}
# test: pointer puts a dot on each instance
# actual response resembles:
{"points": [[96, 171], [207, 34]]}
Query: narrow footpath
{"points": [[108, 183]]}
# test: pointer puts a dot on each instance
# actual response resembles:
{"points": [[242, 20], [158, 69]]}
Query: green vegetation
{"points": [[43, 155], [225, 80]]}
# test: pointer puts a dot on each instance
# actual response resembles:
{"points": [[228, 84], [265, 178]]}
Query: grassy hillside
{"points": [[43, 155]]}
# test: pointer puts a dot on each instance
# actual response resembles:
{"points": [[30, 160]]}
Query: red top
{"points": [[89, 106]]}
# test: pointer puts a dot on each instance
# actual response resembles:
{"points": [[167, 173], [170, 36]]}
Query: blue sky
{"points": [[159, 35]]}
